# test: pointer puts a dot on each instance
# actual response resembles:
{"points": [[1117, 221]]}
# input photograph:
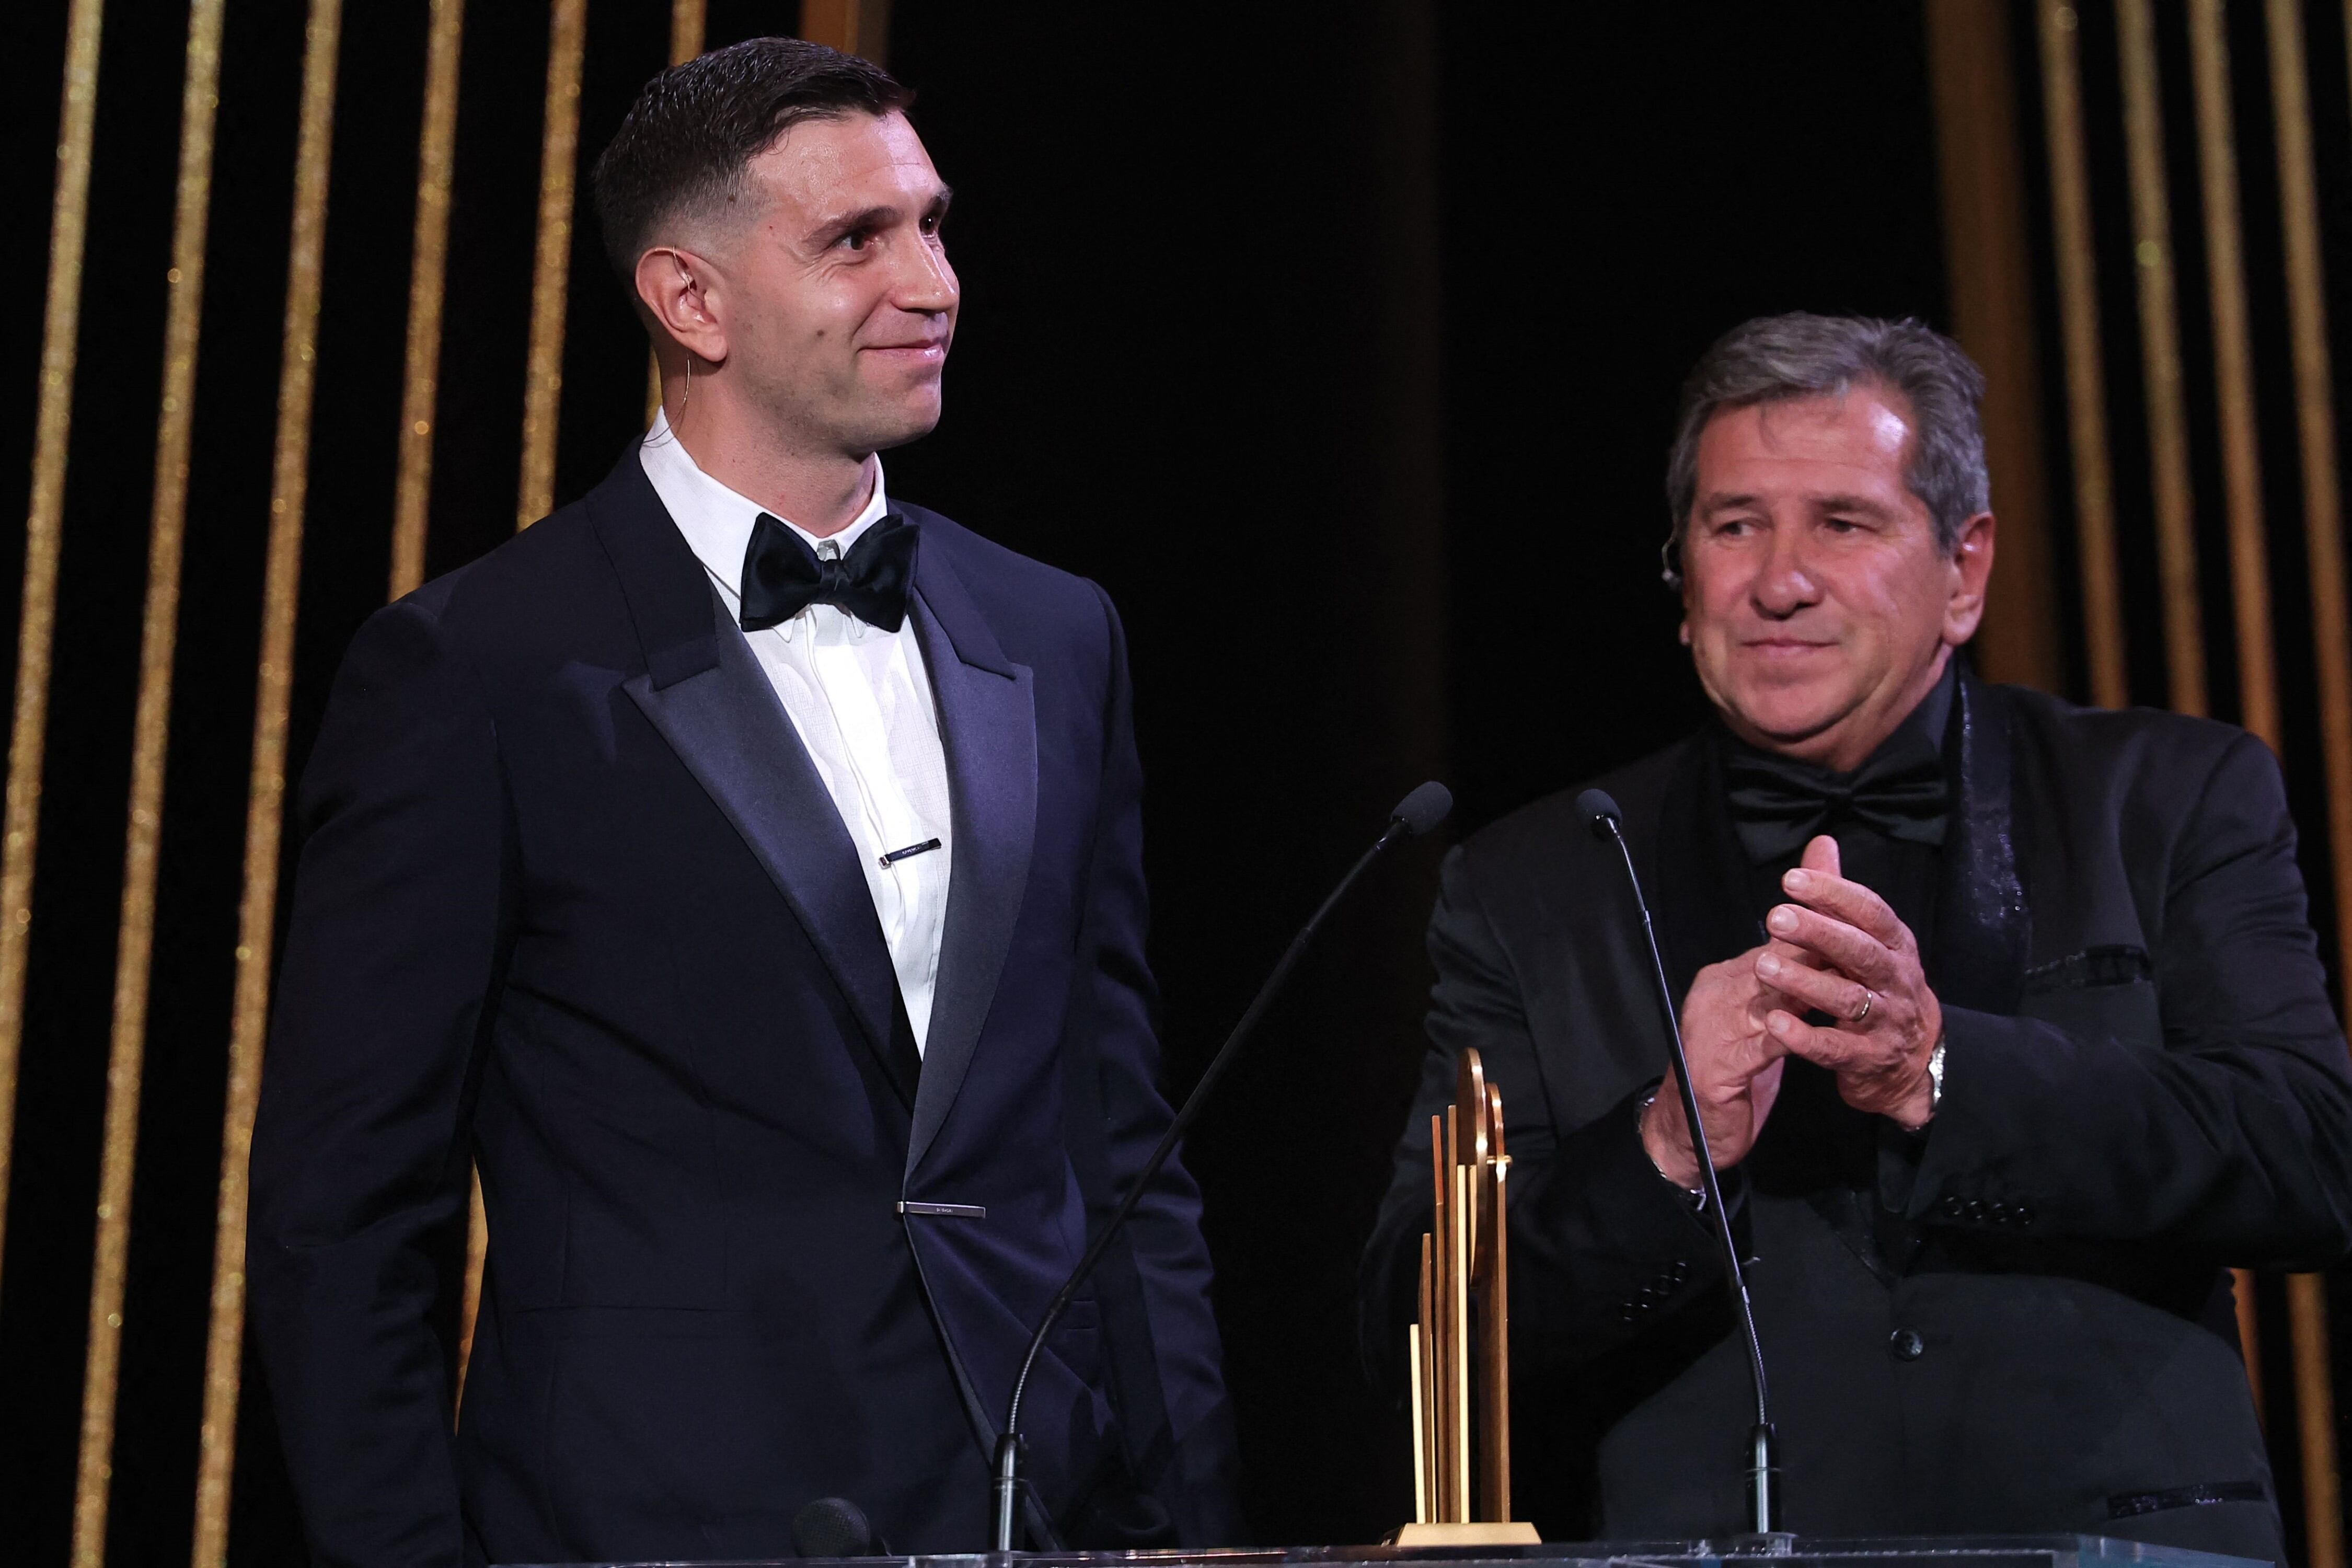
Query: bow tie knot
{"points": [[782, 576], [1779, 804]]}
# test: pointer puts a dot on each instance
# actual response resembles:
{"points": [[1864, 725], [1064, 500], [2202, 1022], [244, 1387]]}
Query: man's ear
{"points": [[1972, 570], [680, 290]]}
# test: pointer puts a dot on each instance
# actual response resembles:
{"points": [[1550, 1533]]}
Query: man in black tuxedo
{"points": [[2003, 1017], [742, 869]]}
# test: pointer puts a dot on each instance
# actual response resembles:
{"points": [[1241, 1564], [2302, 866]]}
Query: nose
{"points": [[1782, 585], [926, 283]]}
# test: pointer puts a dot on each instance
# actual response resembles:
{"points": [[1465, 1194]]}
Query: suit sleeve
{"points": [[1196, 1478], [1600, 1244], [359, 1150], [2229, 1130]]}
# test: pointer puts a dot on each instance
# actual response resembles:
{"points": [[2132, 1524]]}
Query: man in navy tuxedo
{"points": [[741, 868]]}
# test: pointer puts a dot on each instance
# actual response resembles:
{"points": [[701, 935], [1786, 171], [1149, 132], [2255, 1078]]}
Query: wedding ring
{"points": [[1868, 997]]}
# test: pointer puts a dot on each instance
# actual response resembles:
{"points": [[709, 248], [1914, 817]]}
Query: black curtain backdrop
{"points": [[1338, 339]]}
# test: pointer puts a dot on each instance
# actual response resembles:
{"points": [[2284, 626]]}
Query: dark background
{"points": [[1338, 338]]}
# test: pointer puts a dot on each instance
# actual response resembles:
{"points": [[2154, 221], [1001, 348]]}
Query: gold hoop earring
{"points": [[687, 396]]}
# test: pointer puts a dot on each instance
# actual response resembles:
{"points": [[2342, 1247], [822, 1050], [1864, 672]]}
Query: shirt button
{"points": [[1905, 1344]]}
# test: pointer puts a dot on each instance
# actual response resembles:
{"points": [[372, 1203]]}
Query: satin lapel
{"points": [[1983, 928], [706, 694], [988, 724]]}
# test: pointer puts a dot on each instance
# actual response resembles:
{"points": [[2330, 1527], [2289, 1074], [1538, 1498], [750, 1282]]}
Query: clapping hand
{"points": [[1837, 948]]}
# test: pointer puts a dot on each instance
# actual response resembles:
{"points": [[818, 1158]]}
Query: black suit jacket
{"points": [[574, 903], [2143, 1083]]}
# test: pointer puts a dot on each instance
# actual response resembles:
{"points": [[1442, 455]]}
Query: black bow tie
{"points": [[782, 576], [1778, 805]]}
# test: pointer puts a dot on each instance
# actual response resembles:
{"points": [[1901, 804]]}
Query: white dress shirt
{"points": [[860, 699]]}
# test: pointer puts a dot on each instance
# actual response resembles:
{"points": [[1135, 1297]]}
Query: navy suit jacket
{"points": [[574, 904]]}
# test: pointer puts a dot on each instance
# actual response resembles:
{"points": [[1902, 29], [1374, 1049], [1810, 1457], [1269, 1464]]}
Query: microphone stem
{"points": [[1762, 1473], [1008, 1447]]}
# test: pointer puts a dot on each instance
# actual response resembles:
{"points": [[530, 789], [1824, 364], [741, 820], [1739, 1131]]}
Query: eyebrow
{"points": [[1863, 504], [1855, 503]]}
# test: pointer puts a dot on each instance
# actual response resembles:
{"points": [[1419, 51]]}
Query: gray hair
{"points": [[1776, 358]]}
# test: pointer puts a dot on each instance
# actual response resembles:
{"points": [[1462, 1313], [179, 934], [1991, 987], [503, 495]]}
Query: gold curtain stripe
{"points": [[2078, 311], [478, 1254], [60, 324], [567, 37], [150, 746], [1971, 69], [854, 26], [2250, 584], [265, 801], [688, 26], [2159, 334], [437, 143], [558, 158], [2250, 572], [2314, 1404], [2322, 535]]}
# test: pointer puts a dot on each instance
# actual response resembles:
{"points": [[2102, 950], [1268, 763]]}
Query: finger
{"points": [[1790, 952], [1824, 1048], [1846, 900], [1861, 955], [1832, 993], [1822, 855], [1749, 1055]]}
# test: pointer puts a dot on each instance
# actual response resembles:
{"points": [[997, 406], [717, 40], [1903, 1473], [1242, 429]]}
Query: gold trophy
{"points": [[1459, 1389]]}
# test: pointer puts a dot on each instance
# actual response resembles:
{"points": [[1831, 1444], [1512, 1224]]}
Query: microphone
{"points": [[1415, 814], [836, 1527], [1602, 815]]}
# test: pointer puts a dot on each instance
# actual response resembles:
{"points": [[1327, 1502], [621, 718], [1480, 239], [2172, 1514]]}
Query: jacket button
{"points": [[1976, 1210], [1999, 1214], [2024, 1215], [1952, 1208], [1905, 1344]]}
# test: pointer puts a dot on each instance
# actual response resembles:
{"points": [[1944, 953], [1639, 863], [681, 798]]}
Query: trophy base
{"points": [[1485, 1533]]}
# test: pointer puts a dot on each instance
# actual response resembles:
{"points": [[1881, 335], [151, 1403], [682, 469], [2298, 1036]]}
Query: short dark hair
{"points": [[696, 126], [1775, 358]]}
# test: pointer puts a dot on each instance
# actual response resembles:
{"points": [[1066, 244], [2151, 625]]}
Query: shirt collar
{"points": [[716, 521]]}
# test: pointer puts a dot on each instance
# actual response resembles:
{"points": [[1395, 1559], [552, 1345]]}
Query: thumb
{"points": [[1822, 855]]}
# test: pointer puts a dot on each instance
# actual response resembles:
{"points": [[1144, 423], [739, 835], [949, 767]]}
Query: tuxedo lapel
{"points": [[988, 725], [1983, 928], [707, 696]]}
